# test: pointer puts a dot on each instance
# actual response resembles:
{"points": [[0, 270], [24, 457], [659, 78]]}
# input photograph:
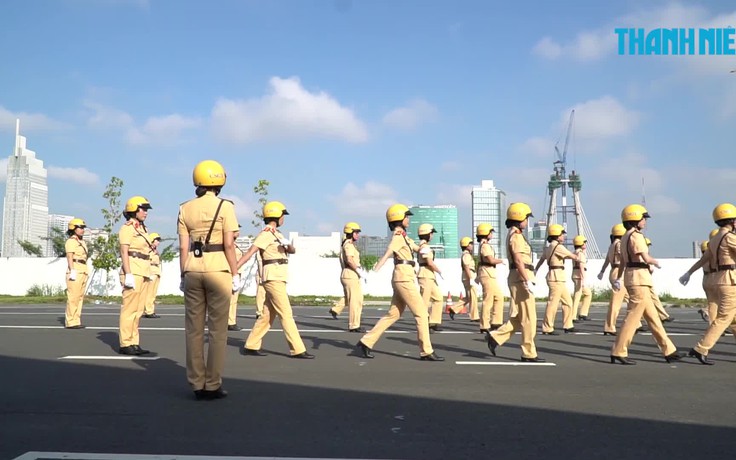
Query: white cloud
{"points": [[104, 117], [243, 209], [77, 175], [166, 130], [661, 204], [288, 112], [29, 122], [412, 115], [547, 48], [538, 146], [600, 119], [458, 195], [370, 200]]}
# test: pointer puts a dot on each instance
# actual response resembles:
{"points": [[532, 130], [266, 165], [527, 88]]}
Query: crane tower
{"points": [[560, 211]]}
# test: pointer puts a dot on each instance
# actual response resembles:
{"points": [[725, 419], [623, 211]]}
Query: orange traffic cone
{"points": [[462, 300], [449, 303]]}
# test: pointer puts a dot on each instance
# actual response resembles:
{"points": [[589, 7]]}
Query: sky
{"points": [[347, 106]]}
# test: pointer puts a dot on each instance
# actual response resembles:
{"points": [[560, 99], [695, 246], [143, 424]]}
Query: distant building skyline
{"points": [[488, 205], [444, 219], [60, 221]]}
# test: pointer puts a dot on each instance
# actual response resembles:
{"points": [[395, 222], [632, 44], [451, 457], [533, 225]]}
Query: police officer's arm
{"points": [[432, 266], [70, 260], [699, 264], [603, 268], [350, 260], [183, 251], [539, 262], [228, 243], [520, 268], [125, 258], [379, 264], [246, 256], [492, 260], [468, 273]]}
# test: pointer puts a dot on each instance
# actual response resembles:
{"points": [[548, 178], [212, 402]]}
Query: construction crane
{"points": [[558, 185]]}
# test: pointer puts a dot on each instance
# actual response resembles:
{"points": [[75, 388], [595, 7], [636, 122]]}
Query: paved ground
{"points": [[342, 406]]}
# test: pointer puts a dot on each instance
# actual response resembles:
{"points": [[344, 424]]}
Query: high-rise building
{"points": [[489, 206], [446, 242], [61, 222], [373, 245], [26, 203], [538, 237]]}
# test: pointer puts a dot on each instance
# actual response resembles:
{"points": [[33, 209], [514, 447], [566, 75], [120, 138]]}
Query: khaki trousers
{"points": [[614, 307], [339, 305], [663, 315], [131, 311], [206, 296], [276, 304], [584, 294], [232, 315], [711, 297], [641, 304], [470, 302], [432, 298], [522, 316], [726, 318], [558, 293], [75, 299], [405, 295], [152, 292], [353, 296], [260, 299], [492, 306]]}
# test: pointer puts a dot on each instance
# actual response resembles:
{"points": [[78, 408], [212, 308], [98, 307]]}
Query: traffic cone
{"points": [[448, 303], [462, 300]]}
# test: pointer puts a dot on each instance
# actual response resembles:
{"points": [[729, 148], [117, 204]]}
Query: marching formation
{"points": [[211, 278]]}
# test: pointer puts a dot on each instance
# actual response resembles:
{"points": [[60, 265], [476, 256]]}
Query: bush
{"points": [[45, 290], [602, 295]]}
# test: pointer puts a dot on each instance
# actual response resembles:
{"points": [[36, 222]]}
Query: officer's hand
{"points": [[600, 275], [684, 279], [181, 284], [237, 283], [616, 285], [285, 242], [440, 275], [72, 275], [528, 285], [129, 281]]}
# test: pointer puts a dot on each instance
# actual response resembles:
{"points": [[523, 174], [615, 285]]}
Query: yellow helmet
{"points": [[555, 230], [153, 236], [209, 173], [618, 230], [274, 209], [579, 240], [703, 246], [484, 230], [634, 213], [351, 227], [465, 242], [648, 241], [713, 233], [519, 212], [426, 229], [397, 213], [137, 202], [76, 222], [724, 211]]}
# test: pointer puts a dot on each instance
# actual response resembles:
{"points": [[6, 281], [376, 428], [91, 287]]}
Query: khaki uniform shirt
{"points": [[268, 244], [633, 245], [555, 255], [195, 220], [467, 261], [403, 249], [579, 266], [134, 235], [349, 252], [425, 254], [155, 263], [723, 252], [614, 259], [486, 271], [79, 250], [517, 244]]}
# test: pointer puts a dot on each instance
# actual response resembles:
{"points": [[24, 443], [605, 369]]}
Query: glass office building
{"points": [[489, 206], [446, 242]]}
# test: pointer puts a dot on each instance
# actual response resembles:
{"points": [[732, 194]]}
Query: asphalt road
{"points": [[61, 392]]}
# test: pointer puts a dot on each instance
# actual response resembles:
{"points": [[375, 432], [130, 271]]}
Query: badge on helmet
{"points": [[724, 211], [519, 212], [76, 223], [209, 173], [137, 202], [634, 213], [274, 209], [397, 213]]}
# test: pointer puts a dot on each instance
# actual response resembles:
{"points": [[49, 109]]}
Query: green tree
{"points": [[30, 248], [106, 247], [58, 241], [261, 191], [367, 261], [169, 253]]}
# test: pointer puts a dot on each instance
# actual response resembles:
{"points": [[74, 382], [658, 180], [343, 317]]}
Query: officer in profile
{"points": [[427, 276], [209, 275], [613, 258], [491, 317], [76, 273]]}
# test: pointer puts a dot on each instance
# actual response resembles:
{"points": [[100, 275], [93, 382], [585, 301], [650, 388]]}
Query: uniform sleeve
{"points": [[181, 229], [126, 235], [486, 250], [730, 242], [582, 258], [350, 251], [264, 240], [562, 251], [229, 220], [69, 246], [468, 260], [517, 243], [397, 242], [638, 244], [414, 247]]}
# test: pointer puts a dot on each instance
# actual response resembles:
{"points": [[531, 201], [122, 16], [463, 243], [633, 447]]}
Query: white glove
{"points": [[528, 285], [129, 281], [72, 275], [684, 279], [616, 285], [424, 251], [238, 282], [181, 284], [284, 242]]}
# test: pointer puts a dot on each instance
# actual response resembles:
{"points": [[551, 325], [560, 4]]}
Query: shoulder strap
{"points": [[214, 219], [552, 252]]}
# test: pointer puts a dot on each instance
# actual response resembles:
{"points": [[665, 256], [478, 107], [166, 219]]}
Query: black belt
{"points": [[210, 248], [576, 266], [424, 264], [614, 265], [275, 261], [139, 255], [154, 265], [556, 267], [527, 266], [81, 261], [486, 264], [404, 262], [722, 268], [637, 265]]}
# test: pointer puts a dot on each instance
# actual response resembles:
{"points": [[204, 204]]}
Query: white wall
{"points": [[314, 275]]}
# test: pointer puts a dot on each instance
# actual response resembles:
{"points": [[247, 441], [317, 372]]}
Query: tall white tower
{"points": [[489, 206], [26, 203]]}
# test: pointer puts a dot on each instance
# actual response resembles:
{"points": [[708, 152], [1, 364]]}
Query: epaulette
{"points": [[400, 232], [268, 228], [229, 201]]}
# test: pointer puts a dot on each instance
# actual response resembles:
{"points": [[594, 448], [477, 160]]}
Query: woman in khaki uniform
{"points": [[427, 277], [206, 228], [274, 249], [636, 261], [149, 310], [232, 317], [522, 311], [613, 258], [135, 250], [260, 290], [468, 276], [404, 283], [582, 291], [76, 273], [350, 278], [722, 250], [555, 254], [711, 290], [491, 317]]}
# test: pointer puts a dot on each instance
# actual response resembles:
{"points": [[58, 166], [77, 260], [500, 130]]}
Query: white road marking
{"points": [[116, 358], [487, 363]]}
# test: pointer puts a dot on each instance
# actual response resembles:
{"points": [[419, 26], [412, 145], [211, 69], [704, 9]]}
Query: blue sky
{"points": [[348, 106]]}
